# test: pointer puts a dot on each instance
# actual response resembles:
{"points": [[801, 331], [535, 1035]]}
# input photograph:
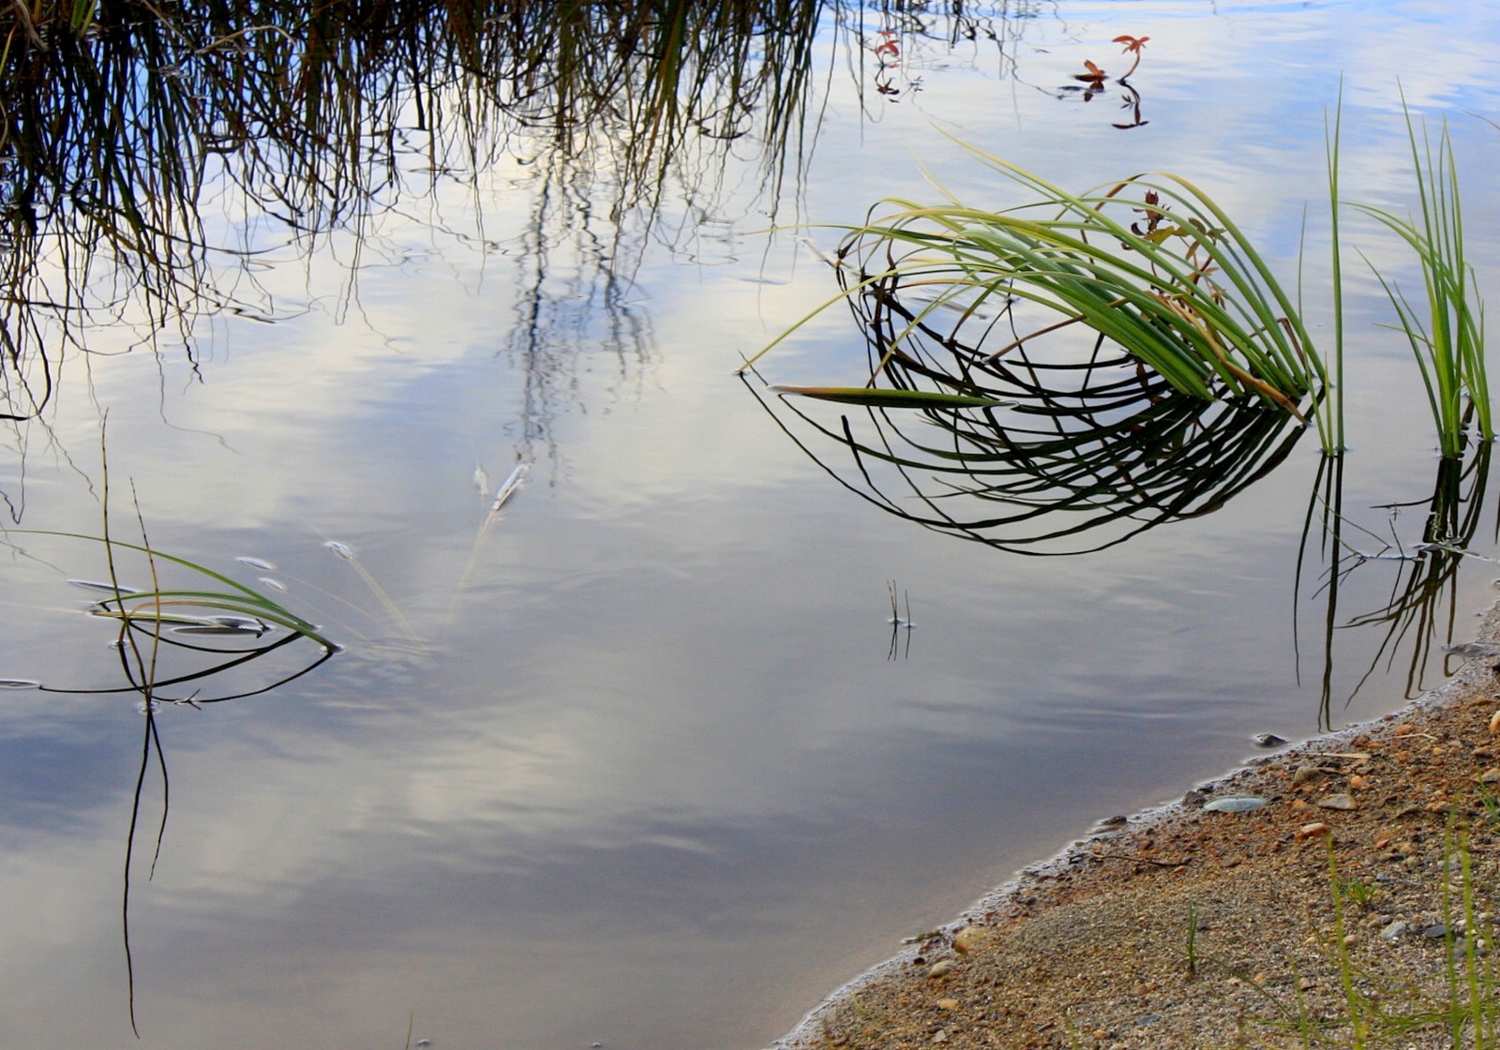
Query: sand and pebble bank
{"points": [[1212, 923]]}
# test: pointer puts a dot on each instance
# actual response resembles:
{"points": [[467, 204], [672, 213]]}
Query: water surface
{"points": [[642, 766]]}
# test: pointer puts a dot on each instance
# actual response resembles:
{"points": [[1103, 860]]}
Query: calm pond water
{"points": [[642, 763]]}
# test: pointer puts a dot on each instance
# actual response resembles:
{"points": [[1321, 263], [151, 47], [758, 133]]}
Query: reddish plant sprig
{"points": [[1133, 45]]}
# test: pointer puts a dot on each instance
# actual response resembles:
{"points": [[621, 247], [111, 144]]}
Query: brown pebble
{"points": [[966, 939], [940, 969], [947, 1004], [1495, 722], [1308, 831], [1338, 802]]}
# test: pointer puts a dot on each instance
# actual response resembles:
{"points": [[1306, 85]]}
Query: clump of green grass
{"points": [[1150, 263], [1449, 347], [1386, 1006]]}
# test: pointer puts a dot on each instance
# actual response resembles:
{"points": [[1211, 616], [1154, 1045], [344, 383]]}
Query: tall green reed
{"points": [[1449, 346], [1331, 408]]}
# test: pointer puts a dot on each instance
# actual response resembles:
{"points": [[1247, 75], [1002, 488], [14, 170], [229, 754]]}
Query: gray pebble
{"points": [[1394, 931], [1234, 804], [1305, 772]]}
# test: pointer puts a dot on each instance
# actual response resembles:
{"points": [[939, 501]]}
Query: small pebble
{"points": [[1394, 931], [1268, 740], [1437, 931], [940, 969], [1340, 801]]}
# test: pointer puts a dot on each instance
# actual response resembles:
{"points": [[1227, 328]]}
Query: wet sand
{"points": [[1189, 926]]}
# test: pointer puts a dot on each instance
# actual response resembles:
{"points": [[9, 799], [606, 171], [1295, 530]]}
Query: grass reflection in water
{"points": [[172, 637], [122, 123]]}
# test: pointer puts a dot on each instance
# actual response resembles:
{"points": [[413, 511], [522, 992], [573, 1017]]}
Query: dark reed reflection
{"points": [[193, 637], [1421, 611], [1091, 450], [121, 125], [173, 645]]}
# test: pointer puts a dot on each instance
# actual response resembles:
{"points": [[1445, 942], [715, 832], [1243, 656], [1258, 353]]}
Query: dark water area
{"points": [[639, 761]]}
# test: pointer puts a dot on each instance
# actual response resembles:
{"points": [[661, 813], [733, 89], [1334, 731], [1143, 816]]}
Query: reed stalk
{"points": [[1449, 346], [1331, 409]]}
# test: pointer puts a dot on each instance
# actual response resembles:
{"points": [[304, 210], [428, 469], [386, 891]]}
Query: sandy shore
{"points": [[1190, 926]]}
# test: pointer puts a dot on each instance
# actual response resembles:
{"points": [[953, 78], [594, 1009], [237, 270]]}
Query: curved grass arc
{"points": [[152, 611], [1065, 475], [1149, 263], [245, 598]]}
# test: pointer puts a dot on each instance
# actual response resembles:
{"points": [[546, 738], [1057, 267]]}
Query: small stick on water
{"points": [[480, 477], [343, 551], [503, 494], [896, 618], [506, 490]]}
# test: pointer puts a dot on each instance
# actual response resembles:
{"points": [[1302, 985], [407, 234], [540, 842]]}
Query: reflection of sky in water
{"points": [[648, 778]]}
